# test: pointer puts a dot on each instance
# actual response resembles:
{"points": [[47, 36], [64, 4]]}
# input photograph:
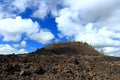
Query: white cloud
{"points": [[45, 7], [12, 8], [89, 10], [21, 51], [67, 24], [112, 20], [42, 10], [99, 38], [16, 45], [43, 36], [111, 51], [21, 45], [1, 15], [21, 5], [13, 29], [7, 49], [6, 9]]}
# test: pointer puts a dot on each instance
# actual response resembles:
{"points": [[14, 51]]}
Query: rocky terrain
{"points": [[60, 61]]}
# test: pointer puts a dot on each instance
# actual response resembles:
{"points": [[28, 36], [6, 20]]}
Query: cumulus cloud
{"points": [[7, 49], [21, 5], [21, 51], [45, 7], [13, 29], [40, 8], [21, 45], [99, 38], [6, 9], [44, 36], [111, 51]]}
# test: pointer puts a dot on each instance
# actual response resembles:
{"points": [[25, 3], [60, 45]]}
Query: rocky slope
{"points": [[69, 48], [60, 61]]}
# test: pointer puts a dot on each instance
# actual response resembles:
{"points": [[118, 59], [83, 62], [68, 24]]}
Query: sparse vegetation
{"points": [[72, 48], [102, 52]]}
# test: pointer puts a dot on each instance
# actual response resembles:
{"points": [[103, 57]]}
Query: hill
{"points": [[68, 48], [60, 61]]}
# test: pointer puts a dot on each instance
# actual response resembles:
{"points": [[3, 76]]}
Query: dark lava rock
{"points": [[40, 71], [25, 73]]}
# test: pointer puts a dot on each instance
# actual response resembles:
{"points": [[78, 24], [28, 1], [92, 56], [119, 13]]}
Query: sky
{"points": [[26, 25]]}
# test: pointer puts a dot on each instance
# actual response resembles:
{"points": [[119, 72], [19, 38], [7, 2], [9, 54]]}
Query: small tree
{"points": [[13, 54], [102, 52]]}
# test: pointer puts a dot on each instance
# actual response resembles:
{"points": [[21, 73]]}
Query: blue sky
{"points": [[26, 25]]}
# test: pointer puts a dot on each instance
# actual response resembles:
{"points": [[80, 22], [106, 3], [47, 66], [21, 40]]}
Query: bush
{"points": [[102, 52]]}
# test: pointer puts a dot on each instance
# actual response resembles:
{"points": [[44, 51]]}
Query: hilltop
{"points": [[60, 61], [68, 48]]}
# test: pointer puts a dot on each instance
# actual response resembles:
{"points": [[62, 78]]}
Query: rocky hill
{"points": [[60, 61], [69, 48]]}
